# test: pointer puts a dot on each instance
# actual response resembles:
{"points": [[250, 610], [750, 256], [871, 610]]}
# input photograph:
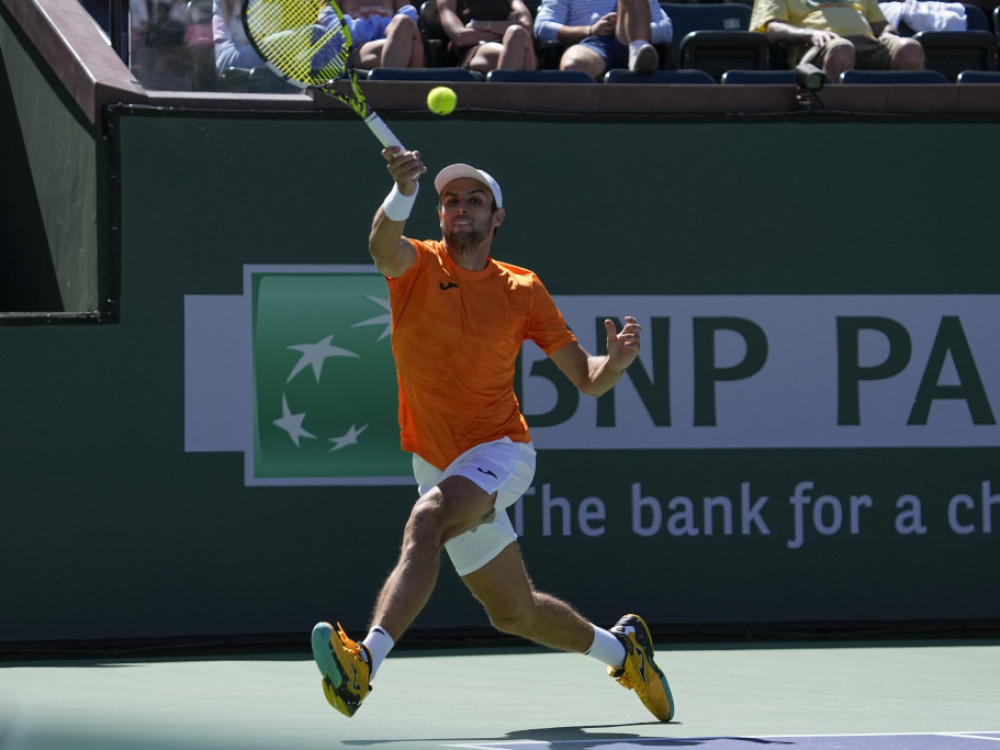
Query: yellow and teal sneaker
{"points": [[345, 666], [639, 672]]}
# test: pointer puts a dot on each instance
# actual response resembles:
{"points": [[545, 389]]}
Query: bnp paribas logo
{"points": [[297, 373]]}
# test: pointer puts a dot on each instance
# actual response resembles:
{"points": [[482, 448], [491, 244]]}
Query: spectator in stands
{"points": [[836, 36], [168, 20], [232, 48], [384, 34], [138, 11], [605, 34], [489, 34]]}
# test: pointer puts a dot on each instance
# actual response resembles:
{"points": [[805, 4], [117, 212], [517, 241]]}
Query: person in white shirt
{"points": [[605, 34]]}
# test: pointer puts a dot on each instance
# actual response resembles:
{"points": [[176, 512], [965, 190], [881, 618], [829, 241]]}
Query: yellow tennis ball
{"points": [[441, 100]]}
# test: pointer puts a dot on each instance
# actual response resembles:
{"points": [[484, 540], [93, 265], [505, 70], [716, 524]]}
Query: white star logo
{"points": [[292, 423], [349, 438], [315, 354], [379, 320]]}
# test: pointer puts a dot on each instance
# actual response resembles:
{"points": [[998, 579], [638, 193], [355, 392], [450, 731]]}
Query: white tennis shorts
{"points": [[500, 466]]}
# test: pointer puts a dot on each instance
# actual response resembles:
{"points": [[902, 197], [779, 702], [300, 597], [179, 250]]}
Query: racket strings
{"points": [[305, 41]]}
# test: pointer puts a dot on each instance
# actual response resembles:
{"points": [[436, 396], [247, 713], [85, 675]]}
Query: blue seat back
{"points": [[539, 76], [621, 75], [892, 76], [424, 74]]}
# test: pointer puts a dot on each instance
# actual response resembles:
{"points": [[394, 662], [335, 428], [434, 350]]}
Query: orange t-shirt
{"points": [[455, 337]]}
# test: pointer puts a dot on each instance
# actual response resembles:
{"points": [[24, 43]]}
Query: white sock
{"points": [[606, 648], [633, 48], [379, 645]]}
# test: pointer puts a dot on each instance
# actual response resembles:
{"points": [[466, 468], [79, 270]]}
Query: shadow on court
{"points": [[585, 738]]}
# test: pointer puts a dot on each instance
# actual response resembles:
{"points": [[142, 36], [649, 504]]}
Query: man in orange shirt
{"points": [[459, 318]]}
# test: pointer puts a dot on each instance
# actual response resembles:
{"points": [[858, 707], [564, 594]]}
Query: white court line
{"points": [[995, 737]]}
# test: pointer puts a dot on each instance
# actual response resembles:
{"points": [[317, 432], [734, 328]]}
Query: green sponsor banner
{"points": [[324, 391]]}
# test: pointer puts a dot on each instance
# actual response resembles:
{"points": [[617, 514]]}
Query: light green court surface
{"points": [[503, 697]]}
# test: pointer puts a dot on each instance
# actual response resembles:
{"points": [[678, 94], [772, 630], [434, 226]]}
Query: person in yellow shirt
{"points": [[459, 318], [836, 36]]}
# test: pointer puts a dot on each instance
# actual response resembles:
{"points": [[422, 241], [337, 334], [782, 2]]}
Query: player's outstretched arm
{"points": [[596, 375], [392, 252]]}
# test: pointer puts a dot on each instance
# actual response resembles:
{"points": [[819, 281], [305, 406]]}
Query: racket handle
{"points": [[381, 130]]}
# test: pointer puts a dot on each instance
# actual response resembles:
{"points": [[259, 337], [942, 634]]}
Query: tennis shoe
{"points": [[639, 672], [645, 60], [345, 666]]}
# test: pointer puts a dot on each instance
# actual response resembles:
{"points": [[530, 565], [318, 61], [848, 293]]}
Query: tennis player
{"points": [[459, 318]]}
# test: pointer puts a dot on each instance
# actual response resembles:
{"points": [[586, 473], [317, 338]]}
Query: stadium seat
{"points": [[424, 74], [718, 51], [975, 20], [622, 75], [688, 17], [539, 76], [784, 77], [892, 76], [436, 49], [258, 80], [715, 37], [813, 78], [979, 76], [951, 52], [234, 79]]}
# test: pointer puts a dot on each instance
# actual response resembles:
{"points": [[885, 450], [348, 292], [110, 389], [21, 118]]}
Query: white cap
{"points": [[456, 171]]}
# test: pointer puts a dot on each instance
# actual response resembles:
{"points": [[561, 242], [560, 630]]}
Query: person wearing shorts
{"points": [[836, 36], [599, 35], [384, 33], [459, 319], [489, 35]]}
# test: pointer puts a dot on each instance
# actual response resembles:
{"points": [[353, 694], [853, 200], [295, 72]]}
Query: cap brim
{"points": [[458, 171]]}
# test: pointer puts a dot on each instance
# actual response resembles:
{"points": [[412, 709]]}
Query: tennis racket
{"points": [[309, 43]]}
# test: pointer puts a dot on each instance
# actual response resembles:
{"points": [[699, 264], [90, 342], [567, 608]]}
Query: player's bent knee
{"points": [[516, 621], [436, 519], [428, 523]]}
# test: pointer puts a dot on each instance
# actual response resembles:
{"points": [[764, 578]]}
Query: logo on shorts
{"points": [[486, 471]]}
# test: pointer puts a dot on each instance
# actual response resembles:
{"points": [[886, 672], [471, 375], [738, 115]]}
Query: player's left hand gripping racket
{"points": [[309, 43]]}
